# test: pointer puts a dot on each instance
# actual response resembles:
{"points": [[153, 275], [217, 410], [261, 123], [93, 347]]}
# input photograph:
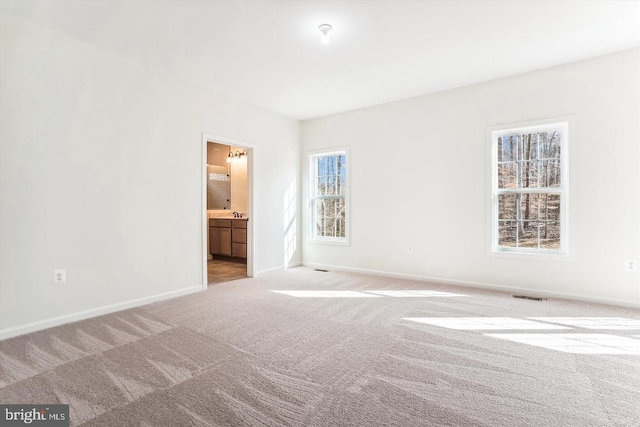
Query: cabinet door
{"points": [[214, 240], [225, 241], [240, 250]]}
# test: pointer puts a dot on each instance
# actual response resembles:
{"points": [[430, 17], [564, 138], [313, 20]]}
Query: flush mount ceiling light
{"points": [[324, 29]]}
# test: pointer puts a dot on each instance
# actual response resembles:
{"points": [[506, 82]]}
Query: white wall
{"points": [[432, 188], [100, 173]]}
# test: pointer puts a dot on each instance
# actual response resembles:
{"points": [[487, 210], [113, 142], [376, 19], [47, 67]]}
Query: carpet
{"points": [[308, 348]]}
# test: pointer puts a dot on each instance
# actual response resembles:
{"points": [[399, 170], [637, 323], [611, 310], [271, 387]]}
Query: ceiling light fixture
{"points": [[324, 29]]}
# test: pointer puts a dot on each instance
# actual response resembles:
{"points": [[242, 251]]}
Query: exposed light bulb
{"points": [[324, 29]]}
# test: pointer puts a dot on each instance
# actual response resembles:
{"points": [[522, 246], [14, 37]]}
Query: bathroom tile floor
{"points": [[222, 269]]}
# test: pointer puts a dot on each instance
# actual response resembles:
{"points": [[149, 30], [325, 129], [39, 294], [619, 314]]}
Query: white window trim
{"points": [[566, 124], [340, 241]]}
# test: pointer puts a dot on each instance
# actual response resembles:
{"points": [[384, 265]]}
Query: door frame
{"points": [[206, 138]]}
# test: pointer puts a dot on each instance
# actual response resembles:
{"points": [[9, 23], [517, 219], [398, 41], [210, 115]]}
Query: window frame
{"points": [[564, 124], [313, 197]]}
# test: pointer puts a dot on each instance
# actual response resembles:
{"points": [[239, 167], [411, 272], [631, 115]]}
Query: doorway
{"points": [[227, 210]]}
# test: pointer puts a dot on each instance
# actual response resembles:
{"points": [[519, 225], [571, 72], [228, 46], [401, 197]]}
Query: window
{"points": [[529, 180], [329, 196]]}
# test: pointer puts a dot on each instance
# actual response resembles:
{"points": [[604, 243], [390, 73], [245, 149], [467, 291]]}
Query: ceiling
{"points": [[269, 53]]}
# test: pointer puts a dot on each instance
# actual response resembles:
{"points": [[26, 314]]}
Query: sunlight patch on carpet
{"points": [[327, 294], [368, 294], [613, 323], [576, 343], [414, 293], [483, 323]]}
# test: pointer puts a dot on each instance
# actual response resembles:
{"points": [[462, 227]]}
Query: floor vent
{"points": [[321, 270], [531, 298]]}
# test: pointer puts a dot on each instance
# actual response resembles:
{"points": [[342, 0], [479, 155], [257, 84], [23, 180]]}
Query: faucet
{"points": [[236, 214]]}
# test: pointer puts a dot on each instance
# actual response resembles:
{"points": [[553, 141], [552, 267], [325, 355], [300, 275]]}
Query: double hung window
{"points": [[529, 181], [329, 196]]}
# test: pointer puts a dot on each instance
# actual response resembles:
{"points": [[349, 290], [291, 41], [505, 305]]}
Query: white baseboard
{"points": [[491, 286], [68, 318], [269, 270], [278, 268], [293, 265]]}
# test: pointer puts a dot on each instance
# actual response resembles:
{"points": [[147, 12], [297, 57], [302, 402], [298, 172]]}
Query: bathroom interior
{"points": [[227, 200]]}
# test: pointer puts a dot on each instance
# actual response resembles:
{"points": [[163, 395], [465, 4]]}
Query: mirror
{"points": [[218, 177]]}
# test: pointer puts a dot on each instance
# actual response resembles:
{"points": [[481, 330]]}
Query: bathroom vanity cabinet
{"points": [[228, 237]]}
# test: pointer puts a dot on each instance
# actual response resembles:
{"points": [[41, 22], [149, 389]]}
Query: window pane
{"points": [[507, 148], [507, 175], [320, 211], [507, 206], [322, 225], [550, 168], [331, 174], [526, 147], [342, 229], [550, 235], [341, 185], [528, 234], [550, 207], [330, 208], [528, 206], [329, 230], [550, 144], [532, 148], [330, 217], [320, 185], [507, 234], [329, 185], [319, 221], [550, 173], [529, 170]]}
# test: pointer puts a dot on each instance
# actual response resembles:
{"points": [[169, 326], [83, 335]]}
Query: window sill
{"points": [[527, 255], [344, 242]]}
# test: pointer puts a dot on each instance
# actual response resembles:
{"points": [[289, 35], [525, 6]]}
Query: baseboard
{"points": [[364, 271], [293, 265], [278, 268], [269, 270], [61, 320], [481, 285]]}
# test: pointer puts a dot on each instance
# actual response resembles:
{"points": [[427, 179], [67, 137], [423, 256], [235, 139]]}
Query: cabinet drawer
{"points": [[220, 223], [239, 235], [239, 223]]}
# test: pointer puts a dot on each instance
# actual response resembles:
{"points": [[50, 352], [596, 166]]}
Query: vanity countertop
{"points": [[224, 215], [244, 218]]}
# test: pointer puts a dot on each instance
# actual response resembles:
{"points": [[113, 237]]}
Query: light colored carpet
{"points": [[353, 355]]}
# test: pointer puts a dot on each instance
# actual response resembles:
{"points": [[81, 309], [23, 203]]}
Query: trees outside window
{"points": [[529, 189], [329, 196]]}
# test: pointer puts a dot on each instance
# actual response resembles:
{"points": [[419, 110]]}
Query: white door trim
{"points": [[250, 213]]}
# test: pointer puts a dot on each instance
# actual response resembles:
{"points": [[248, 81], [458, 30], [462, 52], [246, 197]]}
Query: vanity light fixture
{"points": [[237, 156], [324, 29]]}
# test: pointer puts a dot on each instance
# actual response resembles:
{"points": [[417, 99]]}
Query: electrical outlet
{"points": [[59, 276], [409, 249], [631, 265]]}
